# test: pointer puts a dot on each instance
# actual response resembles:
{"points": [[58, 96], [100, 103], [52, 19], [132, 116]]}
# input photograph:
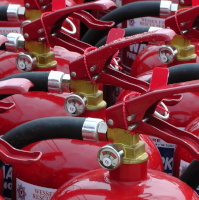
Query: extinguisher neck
{"points": [[94, 96], [130, 172], [134, 162], [186, 50]]}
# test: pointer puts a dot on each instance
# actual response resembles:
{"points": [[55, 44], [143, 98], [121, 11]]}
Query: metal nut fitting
{"points": [[167, 8], [58, 82], [15, 42], [15, 12], [94, 130]]}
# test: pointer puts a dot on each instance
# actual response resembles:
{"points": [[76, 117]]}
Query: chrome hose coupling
{"points": [[167, 8], [94, 130], [15, 12], [58, 82], [15, 42]]}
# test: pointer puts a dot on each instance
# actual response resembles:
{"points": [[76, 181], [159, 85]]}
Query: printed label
{"points": [[130, 53], [9, 30], [146, 21], [26, 191], [166, 151], [7, 178]]}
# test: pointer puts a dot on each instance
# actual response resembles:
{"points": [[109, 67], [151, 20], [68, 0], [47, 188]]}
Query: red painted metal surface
{"points": [[15, 86], [182, 157], [98, 185], [62, 56], [66, 159]]}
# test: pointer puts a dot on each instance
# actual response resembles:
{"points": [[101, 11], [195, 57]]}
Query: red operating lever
{"points": [[137, 116], [95, 65], [185, 22]]}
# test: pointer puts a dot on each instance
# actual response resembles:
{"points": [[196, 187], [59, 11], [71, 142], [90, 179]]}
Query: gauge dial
{"points": [[110, 156], [26, 62], [75, 104], [167, 54]]}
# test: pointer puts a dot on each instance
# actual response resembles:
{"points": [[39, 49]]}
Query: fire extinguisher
{"points": [[151, 149], [67, 165], [181, 113], [105, 51], [70, 163], [125, 173], [182, 158], [40, 80]]}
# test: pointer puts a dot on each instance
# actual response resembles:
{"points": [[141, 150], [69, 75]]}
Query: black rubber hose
{"points": [[121, 14], [191, 175], [3, 12], [128, 32], [183, 73], [44, 129], [39, 79]]}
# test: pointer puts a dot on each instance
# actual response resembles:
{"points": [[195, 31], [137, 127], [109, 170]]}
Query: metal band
{"points": [[94, 130], [167, 8], [58, 81], [15, 42], [14, 11]]}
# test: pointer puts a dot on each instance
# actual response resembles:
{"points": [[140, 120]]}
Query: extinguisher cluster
{"points": [[99, 99]]}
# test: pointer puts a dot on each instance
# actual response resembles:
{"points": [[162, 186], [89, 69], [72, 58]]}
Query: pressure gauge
{"points": [[110, 156], [75, 104], [167, 54], [26, 62]]}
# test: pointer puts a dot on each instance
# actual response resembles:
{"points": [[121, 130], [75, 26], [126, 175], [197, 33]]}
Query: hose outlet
{"points": [[94, 130]]}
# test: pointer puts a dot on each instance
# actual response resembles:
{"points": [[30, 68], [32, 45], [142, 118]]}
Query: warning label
{"points": [[26, 191], [146, 21]]}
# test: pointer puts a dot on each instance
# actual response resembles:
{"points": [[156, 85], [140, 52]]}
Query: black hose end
{"points": [[191, 175], [3, 12]]}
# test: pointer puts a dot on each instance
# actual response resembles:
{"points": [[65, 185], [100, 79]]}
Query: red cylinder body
{"points": [[98, 184], [63, 159]]}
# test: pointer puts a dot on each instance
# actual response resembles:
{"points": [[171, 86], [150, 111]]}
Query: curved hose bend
{"points": [[43, 129], [183, 73], [39, 79]]}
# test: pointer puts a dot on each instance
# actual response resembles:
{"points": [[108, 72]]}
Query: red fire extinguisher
{"points": [[183, 158], [67, 165], [167, 56], [126, 174], [108, 50]]}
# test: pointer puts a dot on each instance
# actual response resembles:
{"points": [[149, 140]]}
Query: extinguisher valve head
{"points": [[167, 8], [15, 42], [58, 82], [15, 12], [94, 130]]}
